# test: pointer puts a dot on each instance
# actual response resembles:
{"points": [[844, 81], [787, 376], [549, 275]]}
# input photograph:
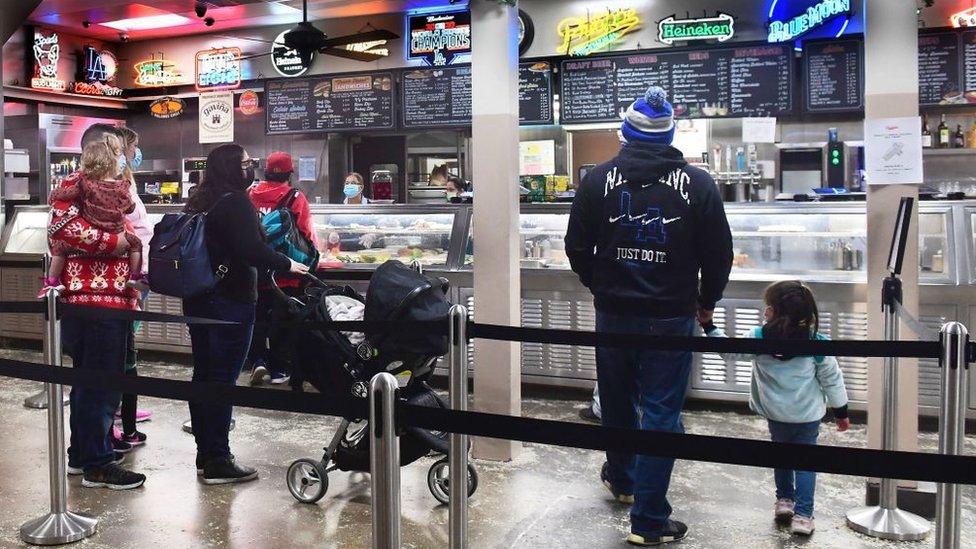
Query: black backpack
{"points": [[179, 259]]}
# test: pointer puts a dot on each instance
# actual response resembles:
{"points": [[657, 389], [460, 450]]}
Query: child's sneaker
{"points": [[118, 444], [134, 439], [279, 378], [783, 509], [260, 373], [627, 499], [802, 526]]}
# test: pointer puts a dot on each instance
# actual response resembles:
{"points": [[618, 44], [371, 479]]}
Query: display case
{"points": [[23, 246], [362, 237]]}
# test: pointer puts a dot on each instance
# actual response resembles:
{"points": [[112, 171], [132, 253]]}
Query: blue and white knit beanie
{"points": [[650, 119]]}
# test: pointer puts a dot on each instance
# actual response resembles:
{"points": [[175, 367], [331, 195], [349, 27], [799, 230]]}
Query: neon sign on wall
{"points": [[98, 74], [582, 36], [47, 54], [438, 39], [818, 15], [671, 30], [964, 18], [155, 73], [218, 69]]}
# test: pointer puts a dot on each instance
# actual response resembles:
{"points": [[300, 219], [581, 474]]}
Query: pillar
{"points": [[494, 151], [14, 12], [891, 41]]}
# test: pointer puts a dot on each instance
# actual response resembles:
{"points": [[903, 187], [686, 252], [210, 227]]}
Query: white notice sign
{"points": [[217, 117], [759, 130], [893, 151]]}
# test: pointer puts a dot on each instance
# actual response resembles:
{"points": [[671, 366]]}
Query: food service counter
{"points": [[822, 244]]}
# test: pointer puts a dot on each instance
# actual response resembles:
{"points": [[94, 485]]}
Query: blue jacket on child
{"points": [[793, 390]]}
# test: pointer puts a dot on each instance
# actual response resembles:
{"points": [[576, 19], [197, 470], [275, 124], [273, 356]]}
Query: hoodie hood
{"points": [[266, 195], [646, 162]]}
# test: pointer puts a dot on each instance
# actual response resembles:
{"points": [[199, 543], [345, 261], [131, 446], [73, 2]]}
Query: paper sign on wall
{"points": [[307, 168], [537, 158], [893, 151], [217, 117], [759, 130]]}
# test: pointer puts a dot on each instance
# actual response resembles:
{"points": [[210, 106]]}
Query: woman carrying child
{"points": [[793, 392]]}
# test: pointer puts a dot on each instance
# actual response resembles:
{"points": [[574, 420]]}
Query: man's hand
{"points": [[843, 424], [705, 316]]}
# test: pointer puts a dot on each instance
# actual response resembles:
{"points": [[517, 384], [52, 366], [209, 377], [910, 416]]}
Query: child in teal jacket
{"points": [[793, 393]]}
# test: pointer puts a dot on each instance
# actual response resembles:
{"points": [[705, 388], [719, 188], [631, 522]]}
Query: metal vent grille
{"points": [[712, 365], [929, 374], [21, 285]]}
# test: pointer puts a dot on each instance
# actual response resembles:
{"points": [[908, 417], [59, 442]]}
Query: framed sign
{"points": [[218, 69], [287, 61], [217, 117], [438, 39]]}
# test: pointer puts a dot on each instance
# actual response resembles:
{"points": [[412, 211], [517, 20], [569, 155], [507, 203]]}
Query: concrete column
{"points": [[497, 287], [891, 90]]}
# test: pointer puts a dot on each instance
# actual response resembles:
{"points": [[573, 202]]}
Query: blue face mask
{"points": [[136, 159], [350, 190], [122, 163]]}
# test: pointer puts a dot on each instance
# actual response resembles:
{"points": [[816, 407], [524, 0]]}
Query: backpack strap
{"points": [[288, 199]]}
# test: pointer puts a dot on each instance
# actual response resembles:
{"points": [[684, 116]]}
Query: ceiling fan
{"points": [[308, 40]]}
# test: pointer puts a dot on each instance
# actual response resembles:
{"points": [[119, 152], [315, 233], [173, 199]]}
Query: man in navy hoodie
{"points": [[649, 237]]}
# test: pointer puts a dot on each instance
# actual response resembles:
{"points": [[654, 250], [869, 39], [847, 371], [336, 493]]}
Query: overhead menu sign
{"points": [[749, 80], [437, 97], [358, 101], [833, 75], [939, 74], [535, 93]]}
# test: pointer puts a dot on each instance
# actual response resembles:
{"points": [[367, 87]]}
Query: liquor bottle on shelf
{"points": [[927, 133], [959, 138], [944, 134], [971, 136]]}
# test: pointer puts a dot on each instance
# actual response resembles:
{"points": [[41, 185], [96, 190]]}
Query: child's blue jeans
{"points": [[798, 486]]}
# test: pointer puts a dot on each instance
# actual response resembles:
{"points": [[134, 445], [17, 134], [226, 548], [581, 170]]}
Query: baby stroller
{"points": [[343, 363]]}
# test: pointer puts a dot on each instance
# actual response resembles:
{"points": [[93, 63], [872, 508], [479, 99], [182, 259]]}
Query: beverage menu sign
{"points": [[939, 73], [535, 93], [738, 81], [833, 75], [437, 97], [359, 101]]}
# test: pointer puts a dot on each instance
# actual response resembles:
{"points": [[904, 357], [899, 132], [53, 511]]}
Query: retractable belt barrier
{"points": [[758, 453]]}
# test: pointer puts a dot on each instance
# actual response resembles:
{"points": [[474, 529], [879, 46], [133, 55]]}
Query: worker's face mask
{"points": [[351, 190], [452, 194]]}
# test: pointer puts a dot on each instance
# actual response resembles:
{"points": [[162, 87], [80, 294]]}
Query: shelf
{"points": [[948, 152], [807, 234]]}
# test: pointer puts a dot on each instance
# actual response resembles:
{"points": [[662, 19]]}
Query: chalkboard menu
{"points": [[359, 101], [535, 93], [939, 78], [749, 80], [437, 97], [833, 75]]}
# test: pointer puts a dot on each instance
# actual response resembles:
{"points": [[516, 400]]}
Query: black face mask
{"points": [[248, 175]]}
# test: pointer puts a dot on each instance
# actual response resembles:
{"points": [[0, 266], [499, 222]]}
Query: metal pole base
{"points": [[57, 529], [892, 524], [39, 401]]}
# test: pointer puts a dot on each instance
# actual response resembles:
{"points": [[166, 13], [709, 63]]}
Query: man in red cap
{"points": [[269, 353]]}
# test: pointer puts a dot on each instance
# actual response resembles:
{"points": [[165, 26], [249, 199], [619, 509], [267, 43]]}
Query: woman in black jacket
{"points": [[235, 240]]}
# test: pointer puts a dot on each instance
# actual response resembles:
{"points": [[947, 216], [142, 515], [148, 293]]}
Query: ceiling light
{"points": [[148, 23]]}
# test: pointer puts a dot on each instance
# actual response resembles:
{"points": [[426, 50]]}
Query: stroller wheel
{"points": [[439, 482], [307, 480]]}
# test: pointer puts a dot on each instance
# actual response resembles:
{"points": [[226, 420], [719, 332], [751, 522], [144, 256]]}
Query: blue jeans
{"points": [[641, 389], [798, 486], [218, 356], [93, 345]]}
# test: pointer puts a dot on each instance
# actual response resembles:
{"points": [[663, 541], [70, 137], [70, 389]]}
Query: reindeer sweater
{"points": [[93, 277]]}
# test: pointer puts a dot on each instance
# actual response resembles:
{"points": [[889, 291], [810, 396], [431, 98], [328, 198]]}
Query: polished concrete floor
{"points": [[549, 497]]}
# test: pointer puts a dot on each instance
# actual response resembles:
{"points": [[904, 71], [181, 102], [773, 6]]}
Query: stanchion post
{"points": [[952, 428], [458, 474], [39, 400], [886, 520], [60, 525], [384, 462]]}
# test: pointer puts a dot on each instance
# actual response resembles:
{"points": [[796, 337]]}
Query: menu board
{"points": [[535, 93], [754, 80], [833, 75], [939, 74], [969, 65], [358, 101], [437, 97]]}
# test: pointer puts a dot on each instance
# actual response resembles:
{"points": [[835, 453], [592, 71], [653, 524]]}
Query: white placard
{"points": [[217, 117], [893, 151], [537, 158], [691, 137], [307, 168], [759, 130]]}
